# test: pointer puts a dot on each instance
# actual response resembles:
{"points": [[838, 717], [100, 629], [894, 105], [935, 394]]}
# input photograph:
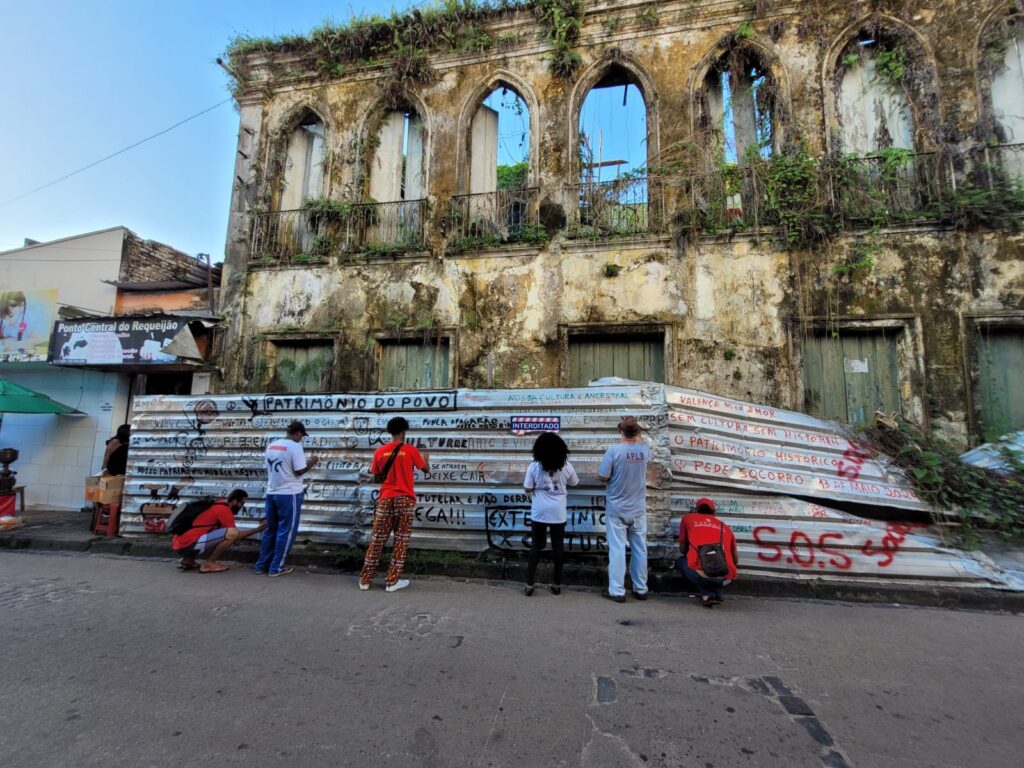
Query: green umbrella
{"points": [[15, 399]]}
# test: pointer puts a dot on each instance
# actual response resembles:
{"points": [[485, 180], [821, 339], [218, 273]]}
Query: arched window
{"points": [[287, 232], [873, 107], [741, 106], [500, 208], [886, 106], [737, 114], [613, 156], [303, 173], [393, 216]]}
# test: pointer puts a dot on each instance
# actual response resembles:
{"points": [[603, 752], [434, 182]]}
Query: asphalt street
{"points": [[122, 662]]}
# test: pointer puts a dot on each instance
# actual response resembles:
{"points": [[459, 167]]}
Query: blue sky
{"points": [[84, 79]]}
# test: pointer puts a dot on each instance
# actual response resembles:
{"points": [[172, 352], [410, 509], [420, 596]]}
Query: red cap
{"points": [[705, 502]]}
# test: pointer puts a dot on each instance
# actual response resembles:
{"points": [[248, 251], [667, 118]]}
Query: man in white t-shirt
{"points": [[286, 463]]}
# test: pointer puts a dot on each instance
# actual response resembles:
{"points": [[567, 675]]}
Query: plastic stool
{"points": [[105, 519]]}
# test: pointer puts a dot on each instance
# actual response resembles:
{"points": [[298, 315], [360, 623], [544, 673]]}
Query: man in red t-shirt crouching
{"points": [[701, 528], [213, 531]]}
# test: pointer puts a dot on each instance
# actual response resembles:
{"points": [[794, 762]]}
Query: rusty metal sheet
{"points": [[717, 441], [186, 447]]}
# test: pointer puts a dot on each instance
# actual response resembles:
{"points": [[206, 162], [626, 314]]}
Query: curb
{"points": [[505, 568]]}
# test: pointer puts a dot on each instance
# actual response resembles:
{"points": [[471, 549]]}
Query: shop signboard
{"points": [[114, 340]]}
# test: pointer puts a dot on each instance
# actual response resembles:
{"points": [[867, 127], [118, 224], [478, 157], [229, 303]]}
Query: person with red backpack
{"points": [[709, 555], [197, 530]]}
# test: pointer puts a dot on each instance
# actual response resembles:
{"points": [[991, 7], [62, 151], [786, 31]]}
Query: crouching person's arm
{"points": [[234, 534]]}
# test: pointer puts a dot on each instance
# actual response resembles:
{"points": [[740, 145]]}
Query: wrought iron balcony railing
{"points": [[287, 236], [386, 227], [317, 233], [889, 187], [624, 207], [494, 219]]}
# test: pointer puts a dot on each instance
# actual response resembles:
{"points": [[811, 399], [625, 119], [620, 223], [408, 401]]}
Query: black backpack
{"points": [[183, 520], [712, 557]]}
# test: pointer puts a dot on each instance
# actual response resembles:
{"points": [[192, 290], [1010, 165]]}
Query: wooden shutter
{"points": [[999, 393], [304, 367], [413, 364], [851, 376], [641, 358]]}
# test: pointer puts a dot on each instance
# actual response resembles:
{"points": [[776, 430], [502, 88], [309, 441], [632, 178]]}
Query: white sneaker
{"points": [[363, 587], [400, 584]]}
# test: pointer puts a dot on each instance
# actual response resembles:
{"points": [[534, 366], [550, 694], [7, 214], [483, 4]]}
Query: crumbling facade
{"points": [[826, 219]]}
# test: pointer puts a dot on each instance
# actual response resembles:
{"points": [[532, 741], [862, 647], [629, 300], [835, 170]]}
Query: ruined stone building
{"points": [[825, 217]]}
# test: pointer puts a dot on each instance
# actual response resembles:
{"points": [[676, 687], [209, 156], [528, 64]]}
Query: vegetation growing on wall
{"points": [[406, 39], [983, 498]]}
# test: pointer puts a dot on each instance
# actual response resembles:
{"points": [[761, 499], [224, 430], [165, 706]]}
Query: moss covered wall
{"points": [[734, 307]]}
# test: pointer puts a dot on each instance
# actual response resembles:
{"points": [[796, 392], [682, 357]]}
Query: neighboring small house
{"points": [[91, 320]]}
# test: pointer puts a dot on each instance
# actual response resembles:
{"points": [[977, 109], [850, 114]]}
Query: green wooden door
{"points": [[851, 376], [999, 394], [641, 358], [304, 367], [413, 364]]}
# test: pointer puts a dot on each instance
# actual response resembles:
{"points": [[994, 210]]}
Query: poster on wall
{"points": [[25, 321], [114, 340]]}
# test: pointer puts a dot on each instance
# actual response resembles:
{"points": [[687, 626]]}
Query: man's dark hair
{"points": [[238, 495], [551, 451], [397, 426]]}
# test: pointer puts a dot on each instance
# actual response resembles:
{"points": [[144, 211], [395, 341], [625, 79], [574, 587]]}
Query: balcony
{"points": [[625, 207], [322, 229], [890, 187], [494, 219], [285, 237]]}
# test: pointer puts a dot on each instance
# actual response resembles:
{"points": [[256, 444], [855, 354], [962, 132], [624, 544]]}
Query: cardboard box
{"points": [[104, 489]]}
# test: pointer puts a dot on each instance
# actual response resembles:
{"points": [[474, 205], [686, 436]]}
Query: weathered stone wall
{"points": [[734, 308]]}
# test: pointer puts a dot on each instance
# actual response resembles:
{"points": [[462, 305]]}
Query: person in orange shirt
{"points": [[701, 529], [392, 465]]}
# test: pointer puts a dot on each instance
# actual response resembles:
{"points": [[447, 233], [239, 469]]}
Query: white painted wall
{"points": [[57, 452], [75, 266]]}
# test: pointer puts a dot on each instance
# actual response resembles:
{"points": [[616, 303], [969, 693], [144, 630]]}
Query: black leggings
{"points": [[540, 535]]}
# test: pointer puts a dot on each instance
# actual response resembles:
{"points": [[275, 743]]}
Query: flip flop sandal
{"points": [[213, 569], [184, 567]]}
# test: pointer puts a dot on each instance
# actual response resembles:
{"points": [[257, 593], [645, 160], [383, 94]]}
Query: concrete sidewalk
{"points": [[69, 531]]}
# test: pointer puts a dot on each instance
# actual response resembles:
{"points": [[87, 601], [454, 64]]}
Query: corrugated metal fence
{"points": [[748, 457]]}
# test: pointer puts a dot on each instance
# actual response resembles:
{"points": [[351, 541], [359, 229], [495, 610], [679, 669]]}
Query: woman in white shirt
{"points": [[547, 478]]}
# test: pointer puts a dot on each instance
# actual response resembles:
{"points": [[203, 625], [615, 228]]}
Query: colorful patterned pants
{"points": [[391, 515]]}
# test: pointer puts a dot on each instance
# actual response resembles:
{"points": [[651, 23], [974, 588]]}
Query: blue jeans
{"points": [[707, 586], [282, 515], [617, 531]]}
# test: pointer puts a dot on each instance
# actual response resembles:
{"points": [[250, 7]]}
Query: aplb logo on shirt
{"points": [[636, 457]]}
